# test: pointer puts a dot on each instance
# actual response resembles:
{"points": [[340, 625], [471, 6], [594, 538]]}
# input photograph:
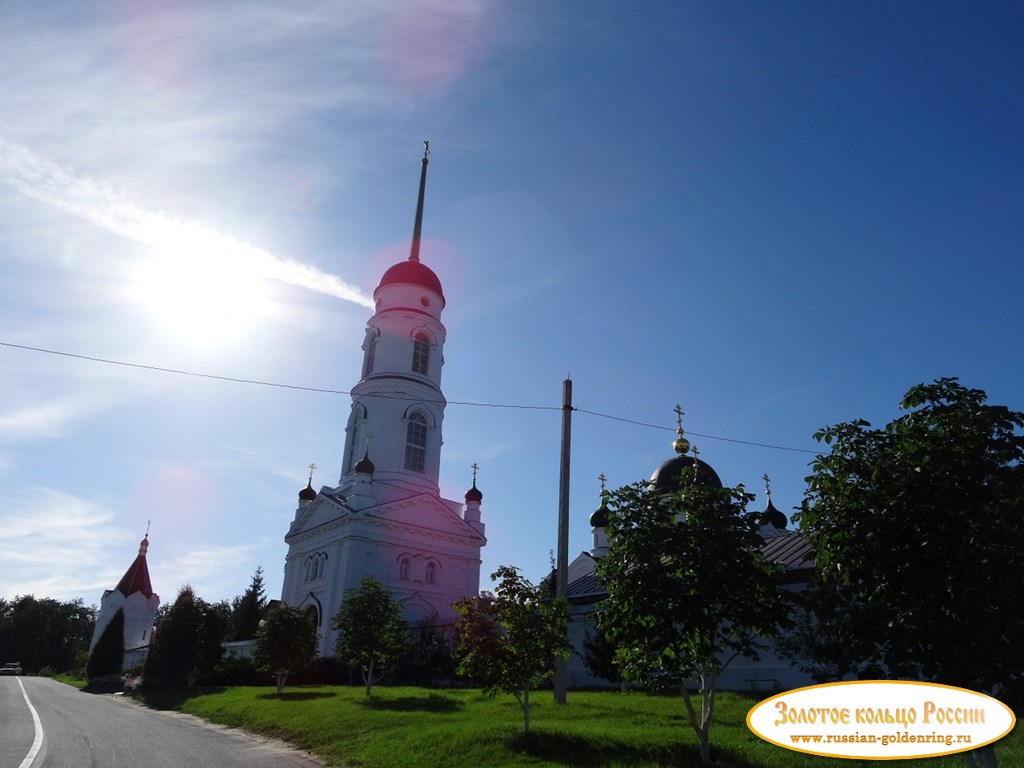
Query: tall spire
{"points": [[414, 254]]}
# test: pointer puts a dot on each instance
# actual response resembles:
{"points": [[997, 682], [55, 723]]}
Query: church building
{"points": [[386, 517], [779, 545], [134, 593]]}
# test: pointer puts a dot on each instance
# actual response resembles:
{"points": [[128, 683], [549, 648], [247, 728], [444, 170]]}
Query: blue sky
{"points": [[779, 215]]}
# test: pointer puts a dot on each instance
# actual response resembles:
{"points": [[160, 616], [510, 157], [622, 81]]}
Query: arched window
{"points": [[321, 565], [416, 442], [308, 569], [370, 348], [313, 615], [421, 353], [356, 432], [431, 575], [403, 569]]}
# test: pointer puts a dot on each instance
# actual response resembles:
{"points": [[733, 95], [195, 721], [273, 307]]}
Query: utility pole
{"points": [[562, 561]]}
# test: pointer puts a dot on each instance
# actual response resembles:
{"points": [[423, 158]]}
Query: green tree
{"points": [[225, 617], [42, 632], [285, 642], [919, 522], [508, 640], [371, 631], [247, 609], [186, 643], [107, 658], [818, 638], [599, 656], [687, 587], [429, 657]]}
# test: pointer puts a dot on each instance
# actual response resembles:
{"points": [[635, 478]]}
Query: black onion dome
{"points": [[772, 516], [599, 517], [411, 273], [473, 494], [666, 477], [307, 493], [364, 466]]}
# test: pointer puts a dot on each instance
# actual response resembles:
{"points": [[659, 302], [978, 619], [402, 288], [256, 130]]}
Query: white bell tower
{"points": [[386, 518], [398, 401]]}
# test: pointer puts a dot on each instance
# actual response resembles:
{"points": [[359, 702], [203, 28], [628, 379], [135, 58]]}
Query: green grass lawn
{"points": [[67, 679], [408, 727]]}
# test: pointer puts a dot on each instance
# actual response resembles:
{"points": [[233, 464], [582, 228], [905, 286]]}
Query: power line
{"points": [[320, 390], [173, 370], [696, 434]]}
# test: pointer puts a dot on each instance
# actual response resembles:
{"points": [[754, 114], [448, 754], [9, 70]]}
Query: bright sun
{"points": [[202, 297]]}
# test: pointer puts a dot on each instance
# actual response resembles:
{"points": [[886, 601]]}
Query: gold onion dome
{"points": [[681, 444]]}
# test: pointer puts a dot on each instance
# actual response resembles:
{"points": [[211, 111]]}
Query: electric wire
{"points": [[383, 395]]}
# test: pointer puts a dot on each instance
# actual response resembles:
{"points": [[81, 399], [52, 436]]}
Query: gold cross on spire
{"points": [[312, 469], [681, 444], [474, 468]]}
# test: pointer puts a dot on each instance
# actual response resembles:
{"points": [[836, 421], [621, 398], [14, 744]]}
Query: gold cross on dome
{"points": [[474, 468], [312, 469], [602, 478], [679, 416], [767, 485]]}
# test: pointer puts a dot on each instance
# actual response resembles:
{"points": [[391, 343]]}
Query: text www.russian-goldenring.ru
{"points": [[885, 740]]}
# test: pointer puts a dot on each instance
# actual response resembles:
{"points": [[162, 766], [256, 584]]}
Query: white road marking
{"points": [[37, 743]]}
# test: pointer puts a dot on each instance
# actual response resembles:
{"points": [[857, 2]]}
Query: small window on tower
{"points": [[403, 569], [431, 576], [355, 436], [371, 353], [416, 443], [421, 354]]}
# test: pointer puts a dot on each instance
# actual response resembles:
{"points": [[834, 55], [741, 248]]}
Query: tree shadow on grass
{"points": [[574, 750], [297, 695], [170, 698], [432, 703]]}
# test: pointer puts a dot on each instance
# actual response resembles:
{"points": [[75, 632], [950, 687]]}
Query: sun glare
{"points": [[203, 298]]}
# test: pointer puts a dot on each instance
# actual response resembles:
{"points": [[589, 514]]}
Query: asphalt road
{"points": [[82, 730]]}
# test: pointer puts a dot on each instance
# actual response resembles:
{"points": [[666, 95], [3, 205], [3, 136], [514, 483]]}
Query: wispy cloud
{"points": [[41, 420], [47, 182], [55, 545], [211, 570]]}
